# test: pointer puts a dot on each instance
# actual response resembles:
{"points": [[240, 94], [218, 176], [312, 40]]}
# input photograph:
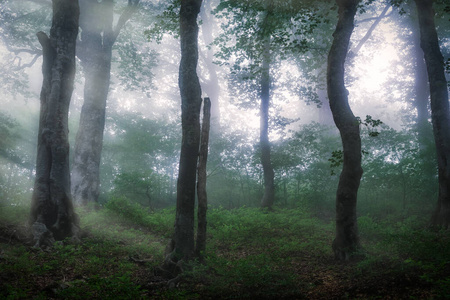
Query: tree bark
{"points": [[52, 215], [421, 90], [269, 185], [200, 245], [95, 54], [191, 100], [421, 96], [346, 242], [440, 114]]}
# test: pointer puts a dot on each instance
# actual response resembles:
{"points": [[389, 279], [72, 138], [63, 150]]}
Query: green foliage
{"points": [[20, 20], [336, 160], [370, 124], [143, 187], [134, 213], [136, 65], [251, 253], [140, 156], [15, 213], [127, 209], [114, 287], [166, 22], [7, 124]]}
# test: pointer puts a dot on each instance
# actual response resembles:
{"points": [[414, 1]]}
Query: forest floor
{"points": [[251, 254]]}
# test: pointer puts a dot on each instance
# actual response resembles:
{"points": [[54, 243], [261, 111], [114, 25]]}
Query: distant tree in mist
{"points": [[346, 242], [257, 36], [52, 214], [98, 35]]}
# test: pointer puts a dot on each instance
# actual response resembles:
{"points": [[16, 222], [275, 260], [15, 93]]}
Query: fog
{"points": [[144, 82]]}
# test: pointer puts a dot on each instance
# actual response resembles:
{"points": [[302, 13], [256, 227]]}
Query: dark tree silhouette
{"points": [[190, 118], [440, 113], [52, 215], [346, 241], [200, 245]]}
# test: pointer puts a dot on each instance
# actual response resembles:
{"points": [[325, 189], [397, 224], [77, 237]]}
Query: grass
{"points": [[250, 254]]}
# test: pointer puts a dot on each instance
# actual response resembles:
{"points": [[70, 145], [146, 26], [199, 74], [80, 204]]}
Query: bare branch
{"points": [[124, 17], [374, 18], [18, 51], [28, 65], [371, 29]]}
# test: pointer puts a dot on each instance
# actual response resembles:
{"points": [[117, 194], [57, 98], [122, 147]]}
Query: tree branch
{"points": [[36, 52], [19, 50], [124, 17], [371, 29], [28, 65], [374, 18]]}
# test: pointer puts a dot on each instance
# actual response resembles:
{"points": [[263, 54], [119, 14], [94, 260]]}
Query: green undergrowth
{"points": [[251, 253]]}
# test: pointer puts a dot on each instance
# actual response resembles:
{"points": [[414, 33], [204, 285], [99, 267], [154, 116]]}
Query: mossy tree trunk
{"points": [[440, 114], [52, 215], [183, 240], [346, 242]]}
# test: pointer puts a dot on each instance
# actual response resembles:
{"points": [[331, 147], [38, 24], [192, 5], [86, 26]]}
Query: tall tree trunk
{"points": [[190, 121], [52, 215], [95, 53], [421, 90], [440, 114], [269, 185], [421, 96], [346, 241], [95, 56], [200, 246]]}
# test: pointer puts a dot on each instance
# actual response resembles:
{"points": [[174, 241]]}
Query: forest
{"points": [[224, 149]]}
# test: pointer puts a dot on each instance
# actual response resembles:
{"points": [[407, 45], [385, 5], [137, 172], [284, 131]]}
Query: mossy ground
{"points": [[251, 254]]}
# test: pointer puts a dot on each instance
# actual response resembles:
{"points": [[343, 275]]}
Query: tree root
{"points": [[172, 268]]}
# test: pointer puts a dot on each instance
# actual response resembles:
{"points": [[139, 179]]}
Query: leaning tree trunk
{"points": [[346, 241], [269, 185], [440, 114], [95, 53], [52, 215], [191, 100]]}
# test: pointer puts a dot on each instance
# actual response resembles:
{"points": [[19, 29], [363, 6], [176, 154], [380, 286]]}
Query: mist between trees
{"points": [[339, 109]]}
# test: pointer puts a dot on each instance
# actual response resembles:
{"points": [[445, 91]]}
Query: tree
{"points": [[52, 214], [257, 36], [269, 185], [200, 246], [440, 113], [421, 94], [346, 241], [95, 52], [183, 240]]}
